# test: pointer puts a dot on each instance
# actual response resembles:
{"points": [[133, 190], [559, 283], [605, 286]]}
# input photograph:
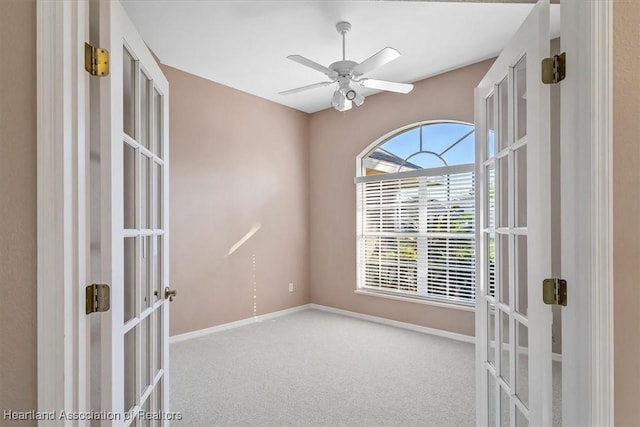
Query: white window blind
{"points": [[416, 233]]}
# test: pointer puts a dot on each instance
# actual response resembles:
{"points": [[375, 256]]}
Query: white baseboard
{"points": [[397, 324], [410, 326], [231, 325], [375, 319]]}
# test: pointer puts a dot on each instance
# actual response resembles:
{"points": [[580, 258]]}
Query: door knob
{"points": [[169, 293]]}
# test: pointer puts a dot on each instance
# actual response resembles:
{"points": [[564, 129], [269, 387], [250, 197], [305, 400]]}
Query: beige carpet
{"points": [[313, 368]]}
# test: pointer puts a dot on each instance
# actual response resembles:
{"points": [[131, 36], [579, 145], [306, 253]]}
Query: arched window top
{"points": [[423, 146]]}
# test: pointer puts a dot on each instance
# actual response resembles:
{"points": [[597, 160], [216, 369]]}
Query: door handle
{"points": [[169, 293]]}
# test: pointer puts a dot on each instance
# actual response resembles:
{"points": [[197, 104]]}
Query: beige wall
{"points": [[626, 205], [238, 162], [335, 140], [17, 206]]}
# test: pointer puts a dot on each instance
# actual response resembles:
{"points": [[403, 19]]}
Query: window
{"points": [[416, 213]]}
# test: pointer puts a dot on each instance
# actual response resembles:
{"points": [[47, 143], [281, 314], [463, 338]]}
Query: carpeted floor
{"points": [[313, 368]]}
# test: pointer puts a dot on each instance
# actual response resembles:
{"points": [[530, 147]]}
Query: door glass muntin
{"points": [[506, 240], [143, 234]]}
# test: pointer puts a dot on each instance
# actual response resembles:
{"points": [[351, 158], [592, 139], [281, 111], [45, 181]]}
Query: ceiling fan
{"points": [[345, 73]]}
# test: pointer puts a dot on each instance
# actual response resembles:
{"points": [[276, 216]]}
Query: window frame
{"points": [[361, 177]]}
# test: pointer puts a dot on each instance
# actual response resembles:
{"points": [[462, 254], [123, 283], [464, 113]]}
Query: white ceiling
{"points": [[244, 44]]}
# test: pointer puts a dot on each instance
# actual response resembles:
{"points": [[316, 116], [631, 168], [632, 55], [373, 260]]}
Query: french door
{"points": [[130, 359], [513, 325]]}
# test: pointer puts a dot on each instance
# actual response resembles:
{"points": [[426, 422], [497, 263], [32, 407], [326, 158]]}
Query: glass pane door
{"points": [[505, 230], [129, 191], [138, 120], [144, 240], [513, 326]]}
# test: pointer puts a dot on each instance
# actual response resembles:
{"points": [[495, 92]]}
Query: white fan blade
{"points": [[386, 55], [303, 88], [311, 64], [385, 85]]}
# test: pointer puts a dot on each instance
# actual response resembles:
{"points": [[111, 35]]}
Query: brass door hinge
{"points": [[554, 291], [554, 69], [96, 60], [98, 298]]}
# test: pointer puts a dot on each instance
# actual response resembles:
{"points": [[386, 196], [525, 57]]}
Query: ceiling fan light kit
{"points": [[346, 72]]}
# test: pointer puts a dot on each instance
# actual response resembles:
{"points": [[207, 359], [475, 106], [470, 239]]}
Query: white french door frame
{"points": [[586, 213], [62, 206], [62, 122]]}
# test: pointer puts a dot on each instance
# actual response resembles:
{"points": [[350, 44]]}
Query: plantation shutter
{"points": [[416, 233]]}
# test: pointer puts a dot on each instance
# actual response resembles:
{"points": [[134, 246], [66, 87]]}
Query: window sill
{"points": [[373, 293]]}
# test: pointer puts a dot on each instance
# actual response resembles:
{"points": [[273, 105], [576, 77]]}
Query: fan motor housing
{"points": [[343, 68]]}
